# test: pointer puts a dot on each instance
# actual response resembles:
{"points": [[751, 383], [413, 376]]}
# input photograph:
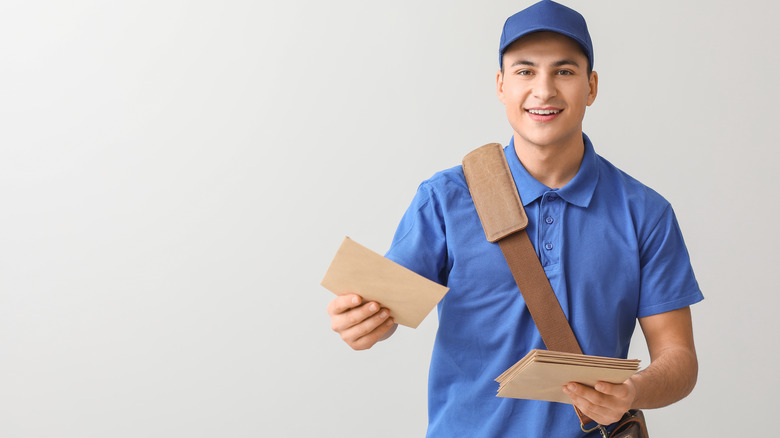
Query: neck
{"points": [[551, 165]]}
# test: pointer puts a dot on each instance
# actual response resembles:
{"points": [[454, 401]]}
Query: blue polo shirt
{"points": [[611, 248]]}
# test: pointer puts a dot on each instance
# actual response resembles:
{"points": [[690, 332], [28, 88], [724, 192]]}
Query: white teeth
{"points": [[544, 112]]}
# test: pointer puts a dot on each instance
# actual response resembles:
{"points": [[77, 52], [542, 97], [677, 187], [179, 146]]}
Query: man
{"points": [[610, 246]]}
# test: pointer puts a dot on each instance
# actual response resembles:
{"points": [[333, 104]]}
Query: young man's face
{"points": [[545, 88]]}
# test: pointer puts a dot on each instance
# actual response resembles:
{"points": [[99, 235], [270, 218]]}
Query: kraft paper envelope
{"points": [[541, 374], [357, 269], [570, 359]]}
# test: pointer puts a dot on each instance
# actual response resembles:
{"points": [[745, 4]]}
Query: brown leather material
{"points": [[493, 190], [632, 425], [503, 218], [538, 294]]}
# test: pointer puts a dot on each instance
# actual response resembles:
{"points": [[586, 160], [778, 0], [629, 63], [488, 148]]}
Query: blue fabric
{"points": [[611, 248], [546, 16]]}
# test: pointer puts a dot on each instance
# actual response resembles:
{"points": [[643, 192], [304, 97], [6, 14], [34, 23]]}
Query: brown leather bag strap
{"points": [[504, 220], [493, 191], [538, 294]]}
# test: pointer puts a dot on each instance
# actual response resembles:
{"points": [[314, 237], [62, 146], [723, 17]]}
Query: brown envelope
{"points": [[357, 269], [541, 374]]}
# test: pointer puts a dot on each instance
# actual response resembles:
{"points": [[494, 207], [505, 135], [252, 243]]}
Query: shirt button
{"points": [[548, 246], [549, 220], [552, 198]]}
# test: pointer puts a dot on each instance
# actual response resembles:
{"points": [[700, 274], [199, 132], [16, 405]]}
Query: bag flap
{"points": [[494, 192]]}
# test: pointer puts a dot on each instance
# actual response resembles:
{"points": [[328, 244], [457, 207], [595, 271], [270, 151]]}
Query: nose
{"points": [[544, 87]]}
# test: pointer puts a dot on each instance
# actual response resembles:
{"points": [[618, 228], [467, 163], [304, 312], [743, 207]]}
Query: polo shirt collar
{"points": [[578, 191]]}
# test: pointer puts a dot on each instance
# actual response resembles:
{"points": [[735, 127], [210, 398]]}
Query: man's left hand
{"points": [[606, 403]]}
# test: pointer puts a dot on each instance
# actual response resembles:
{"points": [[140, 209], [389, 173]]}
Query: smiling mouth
{"points": [[541, 112]]}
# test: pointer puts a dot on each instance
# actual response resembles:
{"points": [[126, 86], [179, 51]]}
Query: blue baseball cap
{"points": [[546, 16]]}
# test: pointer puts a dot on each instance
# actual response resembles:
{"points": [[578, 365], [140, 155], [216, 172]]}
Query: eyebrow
{"points": [[560, 63]]}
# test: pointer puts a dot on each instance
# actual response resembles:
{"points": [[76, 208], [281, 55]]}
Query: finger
{"points": [[365, 327], [352, 317], [343, 303], [585, 393], [615, 390], [584, 398], [366, 324], [598, 406], [368, 340]]}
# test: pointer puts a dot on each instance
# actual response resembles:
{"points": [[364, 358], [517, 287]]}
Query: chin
{"points": [[540, 140], [551, 137]]}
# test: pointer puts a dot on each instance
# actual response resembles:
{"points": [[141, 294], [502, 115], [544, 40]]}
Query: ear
{"points": [[500, 86], [593, 83]]}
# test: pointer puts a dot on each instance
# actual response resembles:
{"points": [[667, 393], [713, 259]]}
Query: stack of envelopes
{"points": [[541, 374]]}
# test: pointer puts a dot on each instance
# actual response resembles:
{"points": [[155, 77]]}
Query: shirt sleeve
{"points": [[667, 279], [419, 243]]}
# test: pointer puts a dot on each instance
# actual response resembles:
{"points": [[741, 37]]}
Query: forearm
{"points": [[670, 377]]}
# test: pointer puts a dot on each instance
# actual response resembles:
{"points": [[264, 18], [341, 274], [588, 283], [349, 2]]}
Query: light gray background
{"points": [[175, 177]]}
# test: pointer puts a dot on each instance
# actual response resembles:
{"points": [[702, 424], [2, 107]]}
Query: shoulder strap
{"points": [[493, 191], [504, 220]]}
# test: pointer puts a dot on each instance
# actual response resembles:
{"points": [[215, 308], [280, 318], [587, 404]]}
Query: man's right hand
{"points": [[361, 325]]}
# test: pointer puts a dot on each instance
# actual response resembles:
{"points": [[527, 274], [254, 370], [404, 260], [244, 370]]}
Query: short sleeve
{"points": [[420, 242], [667, 279]]}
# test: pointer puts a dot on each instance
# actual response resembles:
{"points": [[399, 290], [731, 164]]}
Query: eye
{"points": [[524, 72], [565, 72]]}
